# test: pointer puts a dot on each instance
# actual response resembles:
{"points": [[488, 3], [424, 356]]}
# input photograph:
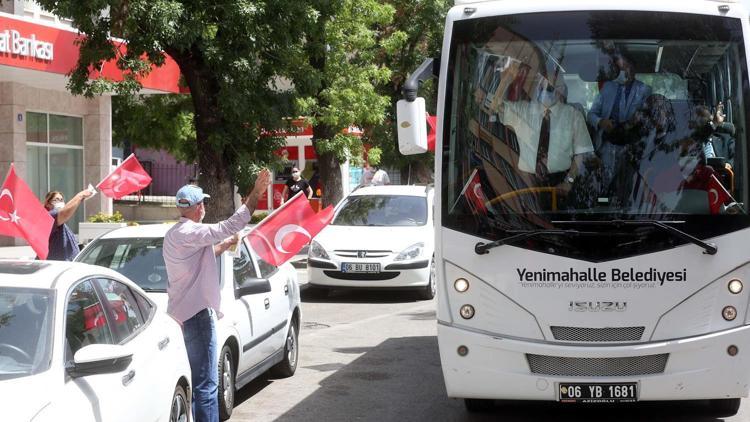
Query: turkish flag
{"points": [[127, 178], [22, 215], [283, 233], [474, 194], [717, 195]]}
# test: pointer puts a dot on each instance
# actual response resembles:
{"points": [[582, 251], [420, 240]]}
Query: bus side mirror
{"points": [[412, 126]]}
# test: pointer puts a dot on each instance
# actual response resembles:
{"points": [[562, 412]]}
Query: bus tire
{"points": [[724, 407], [478, 405]]}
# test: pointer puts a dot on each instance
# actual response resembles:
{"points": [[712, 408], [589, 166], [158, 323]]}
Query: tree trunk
{"points": [[214, 176], [329, 168]]}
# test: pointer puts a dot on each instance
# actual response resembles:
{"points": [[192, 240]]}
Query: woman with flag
{"points": [[63, 245]]}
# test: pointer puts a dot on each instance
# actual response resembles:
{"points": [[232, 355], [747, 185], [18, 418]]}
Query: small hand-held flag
{"points": [[474, 195], [127, 178], [283, 233], [22, 215], [717, 195]]}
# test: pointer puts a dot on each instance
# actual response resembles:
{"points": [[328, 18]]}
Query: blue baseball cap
{"points": [[190, 195]]}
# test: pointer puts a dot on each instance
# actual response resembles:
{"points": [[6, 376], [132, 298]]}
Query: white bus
{"points": [[597, 255]]}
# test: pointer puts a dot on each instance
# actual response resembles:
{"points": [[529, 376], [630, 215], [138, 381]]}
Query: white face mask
{"points": [[548, 99], [58, 205], [621, 78]]}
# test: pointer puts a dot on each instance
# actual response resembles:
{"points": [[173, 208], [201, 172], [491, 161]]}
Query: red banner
{"points": [[282, 234], [127, 178], [22, 215]]}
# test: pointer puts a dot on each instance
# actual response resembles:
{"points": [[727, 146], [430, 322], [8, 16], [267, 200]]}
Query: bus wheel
{"points": [[478, 405], [724, 407]]}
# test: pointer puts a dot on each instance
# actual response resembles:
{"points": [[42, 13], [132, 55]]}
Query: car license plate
{"points": [[598, 393], [351, 267]]}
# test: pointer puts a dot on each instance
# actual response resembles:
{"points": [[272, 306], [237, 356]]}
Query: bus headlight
{"points": [[735, 286], [461, 285], [317, 251], [729, 313], [467, 312]]}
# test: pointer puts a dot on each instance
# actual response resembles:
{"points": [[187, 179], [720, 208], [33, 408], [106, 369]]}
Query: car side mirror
{"points": [[96, 359], [252, 286]]}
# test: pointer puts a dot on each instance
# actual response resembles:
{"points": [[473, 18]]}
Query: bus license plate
{"points": [[598, 393], [350, 267]]}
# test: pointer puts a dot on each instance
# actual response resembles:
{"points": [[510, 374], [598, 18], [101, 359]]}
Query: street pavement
{"points": [[373, 356]]}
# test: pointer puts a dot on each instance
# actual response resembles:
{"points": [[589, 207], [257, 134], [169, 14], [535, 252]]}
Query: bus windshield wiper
{"points": [[483, 248], [708, 248]]}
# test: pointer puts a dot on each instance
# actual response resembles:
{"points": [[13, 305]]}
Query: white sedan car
{"points": [[260, 303], [380, 237], [82, 343]]}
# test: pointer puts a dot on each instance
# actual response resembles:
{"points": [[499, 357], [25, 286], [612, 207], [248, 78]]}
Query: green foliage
{"points": [[374, 155], [337, 86], [101, 217], [415, 34], [157, 122], [257, 217]]}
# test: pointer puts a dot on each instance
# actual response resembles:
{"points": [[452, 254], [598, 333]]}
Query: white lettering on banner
{"points": [[11, 42]]}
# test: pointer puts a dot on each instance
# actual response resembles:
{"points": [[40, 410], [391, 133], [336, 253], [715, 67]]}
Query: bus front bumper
{"points": [[499, 368]]}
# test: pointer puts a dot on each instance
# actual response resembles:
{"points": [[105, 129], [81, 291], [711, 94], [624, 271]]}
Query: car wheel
{"points": [[226, 383], [478, 405], [724, 407], [288, 366], [180, 411], [428, 291]]}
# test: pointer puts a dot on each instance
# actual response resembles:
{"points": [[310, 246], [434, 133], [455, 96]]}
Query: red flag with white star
{"points": [[474, 194], [127, 178], [22, 215]]}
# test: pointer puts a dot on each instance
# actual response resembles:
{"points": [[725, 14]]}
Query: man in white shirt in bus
{"points": [[552, 135]]}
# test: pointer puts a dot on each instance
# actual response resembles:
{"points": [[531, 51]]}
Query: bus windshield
{"points": [[560, 117]]}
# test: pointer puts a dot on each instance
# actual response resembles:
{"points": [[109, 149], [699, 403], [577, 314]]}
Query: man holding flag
{"points": [[190, 251]]}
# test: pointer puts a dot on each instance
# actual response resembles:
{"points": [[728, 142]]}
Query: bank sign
{"points": [[13, 42]]}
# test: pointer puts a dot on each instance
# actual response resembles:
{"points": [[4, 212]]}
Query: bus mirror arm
{"points": [[424, 72]]}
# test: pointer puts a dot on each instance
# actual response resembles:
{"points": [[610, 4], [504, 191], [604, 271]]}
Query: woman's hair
{"points": [[51, 195]]}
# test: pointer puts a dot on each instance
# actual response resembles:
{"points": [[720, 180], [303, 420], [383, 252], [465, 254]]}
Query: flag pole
{"points": [[463, 191]]}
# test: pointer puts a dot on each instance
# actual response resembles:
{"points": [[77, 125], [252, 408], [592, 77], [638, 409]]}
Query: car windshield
{"points": [[596, 115], [382, 210], [25, 331], [139, 259]]}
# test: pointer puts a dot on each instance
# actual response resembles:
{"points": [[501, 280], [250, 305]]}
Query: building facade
{"points": [[56, 140]]}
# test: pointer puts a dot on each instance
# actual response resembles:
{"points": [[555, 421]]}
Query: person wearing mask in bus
{"points": [[617, 102], [553, 138], [63, 245], [294, 185]]}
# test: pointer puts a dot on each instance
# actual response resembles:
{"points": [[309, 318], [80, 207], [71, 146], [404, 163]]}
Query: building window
{"points": [[32, 9], [54, 153]]}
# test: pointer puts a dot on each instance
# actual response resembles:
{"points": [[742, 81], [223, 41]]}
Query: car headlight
{"points": [[317, 251], [413, 251]]}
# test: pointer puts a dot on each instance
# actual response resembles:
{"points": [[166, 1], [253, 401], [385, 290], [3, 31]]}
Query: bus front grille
{"points": [[584, 334], [597, 367]]}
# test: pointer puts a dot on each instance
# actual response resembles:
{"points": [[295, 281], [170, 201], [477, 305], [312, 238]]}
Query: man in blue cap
{"points": [[190, 251]]}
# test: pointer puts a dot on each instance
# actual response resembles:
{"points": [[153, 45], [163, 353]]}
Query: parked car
{"points": [[83, 343], [381, 237], [260, 303]]}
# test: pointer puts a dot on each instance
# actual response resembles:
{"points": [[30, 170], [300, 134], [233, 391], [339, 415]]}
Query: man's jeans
{"points": [[200, 340]]}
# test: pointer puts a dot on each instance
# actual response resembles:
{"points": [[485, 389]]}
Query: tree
{"points": [[415, 34], [338, 83], [231, 54], [156, 122]]}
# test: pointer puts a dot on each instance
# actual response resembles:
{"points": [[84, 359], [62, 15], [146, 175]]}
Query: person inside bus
{"points": [[552, 135], [617, 102]]}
